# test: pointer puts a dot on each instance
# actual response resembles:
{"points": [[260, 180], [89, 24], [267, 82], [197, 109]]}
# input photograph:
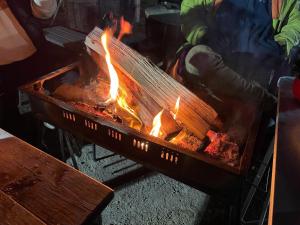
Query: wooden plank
{"points": [[48, 188], [12, 213], [198, 116], [147, 107], [285, 183]]}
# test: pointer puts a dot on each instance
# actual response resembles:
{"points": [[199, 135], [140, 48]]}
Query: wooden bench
{"points": [[36, 188]]}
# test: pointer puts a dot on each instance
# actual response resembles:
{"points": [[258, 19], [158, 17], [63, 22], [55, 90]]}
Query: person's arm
{"points": [[43, 9], [194, 17], [289, 34]]}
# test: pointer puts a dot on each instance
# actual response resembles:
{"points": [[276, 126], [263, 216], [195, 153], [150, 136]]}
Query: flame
{"points": [[123, 104], [156, 125], [176, 108], [125, 28], [114, 80], [115, 94]]}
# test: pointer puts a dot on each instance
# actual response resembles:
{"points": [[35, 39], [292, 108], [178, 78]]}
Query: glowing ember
{"points": [[125, 28], [114, 80], [176, 108], [156, 125]]}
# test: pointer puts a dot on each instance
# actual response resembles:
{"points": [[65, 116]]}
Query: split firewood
{"points": [[129, 115], [168, 125], [136, 97], [197, 115], [187, 140]]}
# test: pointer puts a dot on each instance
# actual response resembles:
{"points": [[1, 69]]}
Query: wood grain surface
{"points": [[39, 186], [12, 213]]}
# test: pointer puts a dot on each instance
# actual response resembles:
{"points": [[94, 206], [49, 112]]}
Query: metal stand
{"points": [[263, 215], [63, 135], [122, 179], [61, 145], [264, 167], [101, 158]]}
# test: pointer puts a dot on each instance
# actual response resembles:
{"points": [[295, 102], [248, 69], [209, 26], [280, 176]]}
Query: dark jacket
{"points": [[33, 26], [196, 21]]}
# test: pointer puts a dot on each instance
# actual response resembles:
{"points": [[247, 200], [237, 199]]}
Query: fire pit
{"points": [[164, 133]]}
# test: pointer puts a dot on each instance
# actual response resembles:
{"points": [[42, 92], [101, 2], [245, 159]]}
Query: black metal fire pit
{"points": [[193, 168]]}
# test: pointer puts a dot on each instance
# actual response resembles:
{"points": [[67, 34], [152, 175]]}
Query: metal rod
{"points": [[61, 144], [56, 12], [265, 210], [75, 145], [137, 9], [69, 147], [257, 180]]}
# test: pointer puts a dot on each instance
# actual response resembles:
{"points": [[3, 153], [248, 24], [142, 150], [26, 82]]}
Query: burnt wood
{"points": [[43, 190], [196, 115]]}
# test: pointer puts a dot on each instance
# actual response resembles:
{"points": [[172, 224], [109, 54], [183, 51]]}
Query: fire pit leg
{"points": [[61, 144], [69, 147], [264, 168], [65, 136], [234, 213]]}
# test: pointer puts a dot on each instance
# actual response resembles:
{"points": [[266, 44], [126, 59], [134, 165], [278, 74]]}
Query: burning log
{"points": [[164, 125], [170, 126], [196, 115], [187, 140], [90, 94], [137, 98]]}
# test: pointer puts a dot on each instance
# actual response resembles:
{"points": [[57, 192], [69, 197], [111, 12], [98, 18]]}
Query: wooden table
{"points": [[285, 186], [36, 188]]}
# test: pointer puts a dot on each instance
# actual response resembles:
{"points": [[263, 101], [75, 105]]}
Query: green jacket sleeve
{"points": [[288, 29], [194, 16]]}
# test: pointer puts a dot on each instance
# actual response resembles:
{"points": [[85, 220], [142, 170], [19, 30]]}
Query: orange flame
{"points": [[125, 28], [114, 80], [156, 125], [176, 108], [123, 104], [116, 93]]}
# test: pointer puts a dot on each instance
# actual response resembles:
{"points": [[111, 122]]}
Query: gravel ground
{"points": [[153, 199]]}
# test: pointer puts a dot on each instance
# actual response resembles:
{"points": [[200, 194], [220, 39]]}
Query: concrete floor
{"points": [[151, 200]]}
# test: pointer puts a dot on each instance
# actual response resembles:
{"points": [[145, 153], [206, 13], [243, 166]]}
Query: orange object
{"points": [[156, 125], [125, 28], [114, 79]]}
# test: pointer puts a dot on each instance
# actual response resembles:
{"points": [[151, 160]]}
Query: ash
{"points": [[151, 200]]}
